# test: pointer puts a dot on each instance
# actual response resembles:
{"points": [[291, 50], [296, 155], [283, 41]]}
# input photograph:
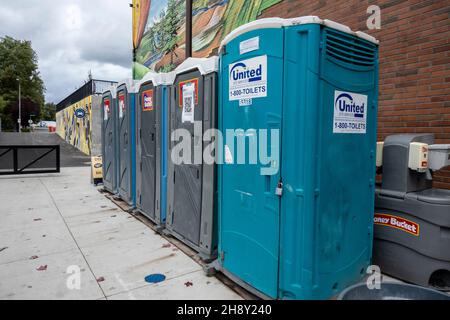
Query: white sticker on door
{"points": [[106, 109], [248, 79], [188, 103], [249, 45], [121, 105], [350, 112]]}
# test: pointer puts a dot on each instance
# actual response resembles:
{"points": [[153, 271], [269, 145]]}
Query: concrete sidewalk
{"points": [[52, 222]]}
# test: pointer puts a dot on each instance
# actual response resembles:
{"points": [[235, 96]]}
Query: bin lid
{"points": [[204, 65], [439, 147], [392, 291], [435, 196], [157, 79], [268, 23]]}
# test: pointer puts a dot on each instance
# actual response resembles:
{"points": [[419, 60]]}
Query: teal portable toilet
{"points": [[109, 138], [299, 224], [126, 142], [151, 146]]}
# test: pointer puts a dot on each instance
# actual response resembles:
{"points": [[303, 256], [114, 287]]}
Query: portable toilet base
{"points": [[191, 188]]}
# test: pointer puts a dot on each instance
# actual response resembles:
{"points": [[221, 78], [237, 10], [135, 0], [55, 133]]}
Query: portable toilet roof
{"points": [[281, 23], [158, 79], [112, 89], [129, 83], [204, 65]]}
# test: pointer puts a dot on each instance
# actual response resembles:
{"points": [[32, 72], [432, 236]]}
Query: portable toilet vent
{"points": [[126, 140], [151, 146], [297, 225], [191, 188], [109, 137]]}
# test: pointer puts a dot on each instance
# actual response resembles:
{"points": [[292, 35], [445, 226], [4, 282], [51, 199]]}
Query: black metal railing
{"points": [[29, 159]]}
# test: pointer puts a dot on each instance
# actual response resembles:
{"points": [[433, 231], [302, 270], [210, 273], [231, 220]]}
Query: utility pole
{"points": [[19, 120], [188, 39]]}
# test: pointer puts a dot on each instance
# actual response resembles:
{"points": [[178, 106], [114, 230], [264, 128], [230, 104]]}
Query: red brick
{"points": [[414, 60]]}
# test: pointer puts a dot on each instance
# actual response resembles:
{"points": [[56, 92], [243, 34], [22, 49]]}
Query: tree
{"points": [[18, 62], [48, 112], [170, 26]]}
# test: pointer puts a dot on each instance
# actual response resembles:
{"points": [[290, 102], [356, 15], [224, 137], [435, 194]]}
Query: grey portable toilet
{"points": [[126, 140], [109, 137], [191, 189], [151, 145]]}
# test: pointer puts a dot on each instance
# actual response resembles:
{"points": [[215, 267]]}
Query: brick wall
{"points": [[414, 61]]}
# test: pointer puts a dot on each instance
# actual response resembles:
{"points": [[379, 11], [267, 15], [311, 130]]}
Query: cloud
{"points": [[72, 37]]}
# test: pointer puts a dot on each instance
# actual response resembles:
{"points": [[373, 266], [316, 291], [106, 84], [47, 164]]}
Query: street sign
{"points": [[80, 113]]}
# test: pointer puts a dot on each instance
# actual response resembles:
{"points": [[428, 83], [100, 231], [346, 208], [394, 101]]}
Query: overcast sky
{"points": [[72, 37]]}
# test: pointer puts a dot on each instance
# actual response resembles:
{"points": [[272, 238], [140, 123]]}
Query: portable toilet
{"points": [[126, 141], [191, 188], [151, 146], [109, 137], [299, 223]]}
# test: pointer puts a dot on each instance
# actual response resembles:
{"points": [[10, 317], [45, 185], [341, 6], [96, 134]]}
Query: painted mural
{"points": [[212, 20], [158, 35], [159, 29], [73, 124]]}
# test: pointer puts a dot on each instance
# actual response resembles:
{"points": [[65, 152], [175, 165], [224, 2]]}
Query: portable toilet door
{"points": [[250, 210], [126, 140], [298, 225], [109, 130], [191, 188], [151, 146]]}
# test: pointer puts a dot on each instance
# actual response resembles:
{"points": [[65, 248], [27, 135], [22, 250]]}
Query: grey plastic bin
{"points": [[391, 291]]}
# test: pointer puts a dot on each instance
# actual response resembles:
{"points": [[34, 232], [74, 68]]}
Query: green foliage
{"points": [[48, 112], [167, 68], [162, 37], [170, 26], [18, 62], [139, 70], [2, 104]]}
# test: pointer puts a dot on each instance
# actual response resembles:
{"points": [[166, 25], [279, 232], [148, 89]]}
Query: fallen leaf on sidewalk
{"points": [[167, 245], [37, 219], [42, 268], [100, 279], [189, 284], [33, 257]]}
